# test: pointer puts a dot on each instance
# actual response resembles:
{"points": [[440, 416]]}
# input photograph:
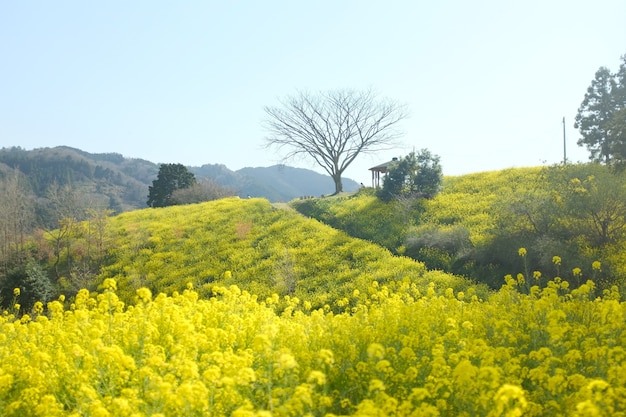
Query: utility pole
{"points": [[564, 146]]}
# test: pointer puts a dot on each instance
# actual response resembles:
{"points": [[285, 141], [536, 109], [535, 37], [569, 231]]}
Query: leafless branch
{"points": [[333, 127]]}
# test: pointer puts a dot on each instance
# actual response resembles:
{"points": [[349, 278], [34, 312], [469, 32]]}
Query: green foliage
{"points": [[171, 177], [415, 175], [37, 283], [361, 215], [601, 118], [429, 175], [574, 211], [617, 125], [438, 246], [30, 277]]}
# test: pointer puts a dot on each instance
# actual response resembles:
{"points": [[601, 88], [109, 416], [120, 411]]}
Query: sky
{"points": [[487, 83]]}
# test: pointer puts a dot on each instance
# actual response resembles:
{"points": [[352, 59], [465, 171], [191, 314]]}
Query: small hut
{"points": [[380, 169]]}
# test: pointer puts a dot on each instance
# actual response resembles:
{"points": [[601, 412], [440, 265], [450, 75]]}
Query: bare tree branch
{"points": [[333, 127]]}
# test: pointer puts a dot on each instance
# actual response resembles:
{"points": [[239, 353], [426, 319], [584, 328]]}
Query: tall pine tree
{"points": [[600, 115], [171, 177]]}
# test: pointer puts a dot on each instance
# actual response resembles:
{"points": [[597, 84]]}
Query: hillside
{"points": [[121, 184], [248, 243], [235, 308], [476, 226]]}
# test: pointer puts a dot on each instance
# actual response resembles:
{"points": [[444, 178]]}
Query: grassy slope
{"points": [[255, 246], [469, 200]]}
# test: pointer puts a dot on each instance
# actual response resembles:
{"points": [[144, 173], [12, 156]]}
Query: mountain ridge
{"points": [[121, 184]]}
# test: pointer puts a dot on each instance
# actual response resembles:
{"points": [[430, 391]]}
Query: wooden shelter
{"points": [[380, 169]]}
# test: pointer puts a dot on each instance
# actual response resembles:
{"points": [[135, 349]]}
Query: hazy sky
{"points": [[487, 83]]}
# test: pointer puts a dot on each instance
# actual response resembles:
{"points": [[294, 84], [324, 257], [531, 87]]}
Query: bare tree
{"points": [[333, 127], [17, 215], [204, 190], [68, 209]]}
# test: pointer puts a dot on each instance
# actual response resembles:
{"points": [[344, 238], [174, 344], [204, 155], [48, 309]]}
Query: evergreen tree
{"points": [[171, 177], [617, 125], [599, 117]]}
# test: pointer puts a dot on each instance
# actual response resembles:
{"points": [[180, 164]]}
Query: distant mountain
{"points": [[276, 183], [105, 180], [119, 183]]}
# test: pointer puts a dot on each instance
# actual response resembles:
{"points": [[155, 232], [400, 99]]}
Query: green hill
{"points": [[237, 308], [261, 249], [478, 222]]}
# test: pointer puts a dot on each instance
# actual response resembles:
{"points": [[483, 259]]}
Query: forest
{"points": [[499, 296]]}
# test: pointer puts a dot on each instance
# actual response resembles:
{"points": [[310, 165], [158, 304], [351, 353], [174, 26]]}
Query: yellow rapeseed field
{"points": [[401, 352]]}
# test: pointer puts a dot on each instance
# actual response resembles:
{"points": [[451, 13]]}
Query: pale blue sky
{"points": [[487, 82]]}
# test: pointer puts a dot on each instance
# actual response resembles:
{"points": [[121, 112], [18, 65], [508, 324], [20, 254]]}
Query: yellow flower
{"points": [[577, 272], [536, 275], [376, 385], [510, 400], [286, 361], [317, 377], [522, 252], [228, 275], [556, 260], [16, 292], [17, 306], [144, 294], [596, 266], [109, 284], [326, 357], [376, 351], [38, 307]]}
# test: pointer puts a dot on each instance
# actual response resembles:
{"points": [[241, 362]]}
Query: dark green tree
{"points": [[618, 131], [171, 177], [429, 175], [37, 283], [398, 176], [617, 125], [599, 114], [414, 176]]}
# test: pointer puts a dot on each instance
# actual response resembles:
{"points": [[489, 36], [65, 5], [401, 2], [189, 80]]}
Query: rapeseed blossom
{"points": [[404, 351]]}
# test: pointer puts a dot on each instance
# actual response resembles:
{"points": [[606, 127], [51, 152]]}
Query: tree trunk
{"points": [[338, 184]]}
